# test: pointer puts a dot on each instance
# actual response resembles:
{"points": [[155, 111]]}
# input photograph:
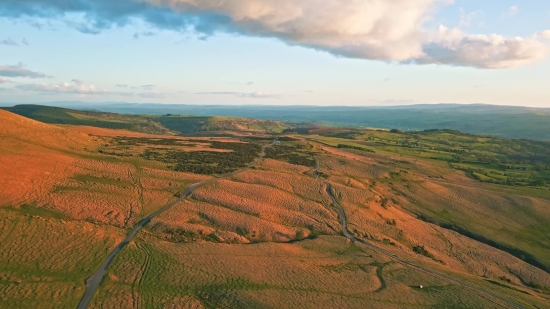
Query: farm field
{"points": [[269, 236]]}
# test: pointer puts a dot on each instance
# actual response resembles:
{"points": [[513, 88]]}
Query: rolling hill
{"points": [[269, 236], [154, 124], [491, 120]]}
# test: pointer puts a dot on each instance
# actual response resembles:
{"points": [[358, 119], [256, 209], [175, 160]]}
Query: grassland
{"points": [[44, 257], [513, 217], [494, 160], [268, 237], [327, 272]]}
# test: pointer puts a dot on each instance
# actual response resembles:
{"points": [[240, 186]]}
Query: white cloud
{"points": [[381, 30], [4, 80], [513, 11], [252, 95], [543, 35], [386, 30], [466, 20], [454, 47], [77, 81], [19, 70], [70, 88]]}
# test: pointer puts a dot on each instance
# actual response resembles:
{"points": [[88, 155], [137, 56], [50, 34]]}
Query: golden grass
{"points": [[44, 261], [265, 238], [327, 272]]}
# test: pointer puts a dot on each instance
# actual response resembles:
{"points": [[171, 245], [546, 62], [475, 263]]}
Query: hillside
{"points": [[165, 124], [269, 235], [501, 121]]}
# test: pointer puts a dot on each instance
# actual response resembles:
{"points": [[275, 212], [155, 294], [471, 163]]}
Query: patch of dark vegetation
{"points": [[355, 147], [343, 134], [292, 154], [505, 286], [418, 249], [29, 210], [180, 235], [384, 202], [113, 153], [323, 175], [287, 139], [536, 286], [207, 162], [141, 141]]}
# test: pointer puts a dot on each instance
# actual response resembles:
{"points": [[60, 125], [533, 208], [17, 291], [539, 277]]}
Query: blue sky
{"points": [[238, 54]]}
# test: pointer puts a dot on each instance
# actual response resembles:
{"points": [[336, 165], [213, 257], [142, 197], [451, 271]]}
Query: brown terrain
{"points": [[268, 237]]}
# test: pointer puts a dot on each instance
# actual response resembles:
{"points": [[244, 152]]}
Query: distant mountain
{"points": [[502, 121]]}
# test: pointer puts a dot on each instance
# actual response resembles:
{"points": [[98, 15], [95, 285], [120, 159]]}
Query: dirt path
{"points": [[94, 281]]}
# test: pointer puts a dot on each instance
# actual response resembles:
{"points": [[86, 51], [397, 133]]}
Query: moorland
{"points": [[472, 208]]}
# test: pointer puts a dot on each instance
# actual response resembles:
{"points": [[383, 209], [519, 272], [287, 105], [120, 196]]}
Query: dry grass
{"points": [[45, 260], [265, 238], [383, 214], [255, 206], [327, 272]]}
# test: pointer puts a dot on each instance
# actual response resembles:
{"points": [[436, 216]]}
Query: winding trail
{"points": [[94, 281], [401, 260]]}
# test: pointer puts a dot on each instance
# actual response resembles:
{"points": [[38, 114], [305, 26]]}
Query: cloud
{"points": [[122, 85], [467, 19], [147, 33], [454, 47], [78, 81], [252, 95], [378, 30], [513, 11], [19, 70], [387, 79], [25, 42], [62, 88], [145, 87], [543, 35], [4, 80], [9, 42]]}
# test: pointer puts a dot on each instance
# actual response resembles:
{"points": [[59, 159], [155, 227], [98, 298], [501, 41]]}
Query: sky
{"points": [[276, 52]]}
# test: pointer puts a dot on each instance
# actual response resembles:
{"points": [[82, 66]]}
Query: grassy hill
{"points": [[57, 115], [155, 124], [501, 121], [270, 236], [519, 168]]}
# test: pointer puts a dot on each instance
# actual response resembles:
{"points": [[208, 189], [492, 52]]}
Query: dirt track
{"points": [[94, 281], [496, 299]]}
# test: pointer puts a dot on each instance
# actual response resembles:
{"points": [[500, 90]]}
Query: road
{"points": [[403, 261], [94, 281]]}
